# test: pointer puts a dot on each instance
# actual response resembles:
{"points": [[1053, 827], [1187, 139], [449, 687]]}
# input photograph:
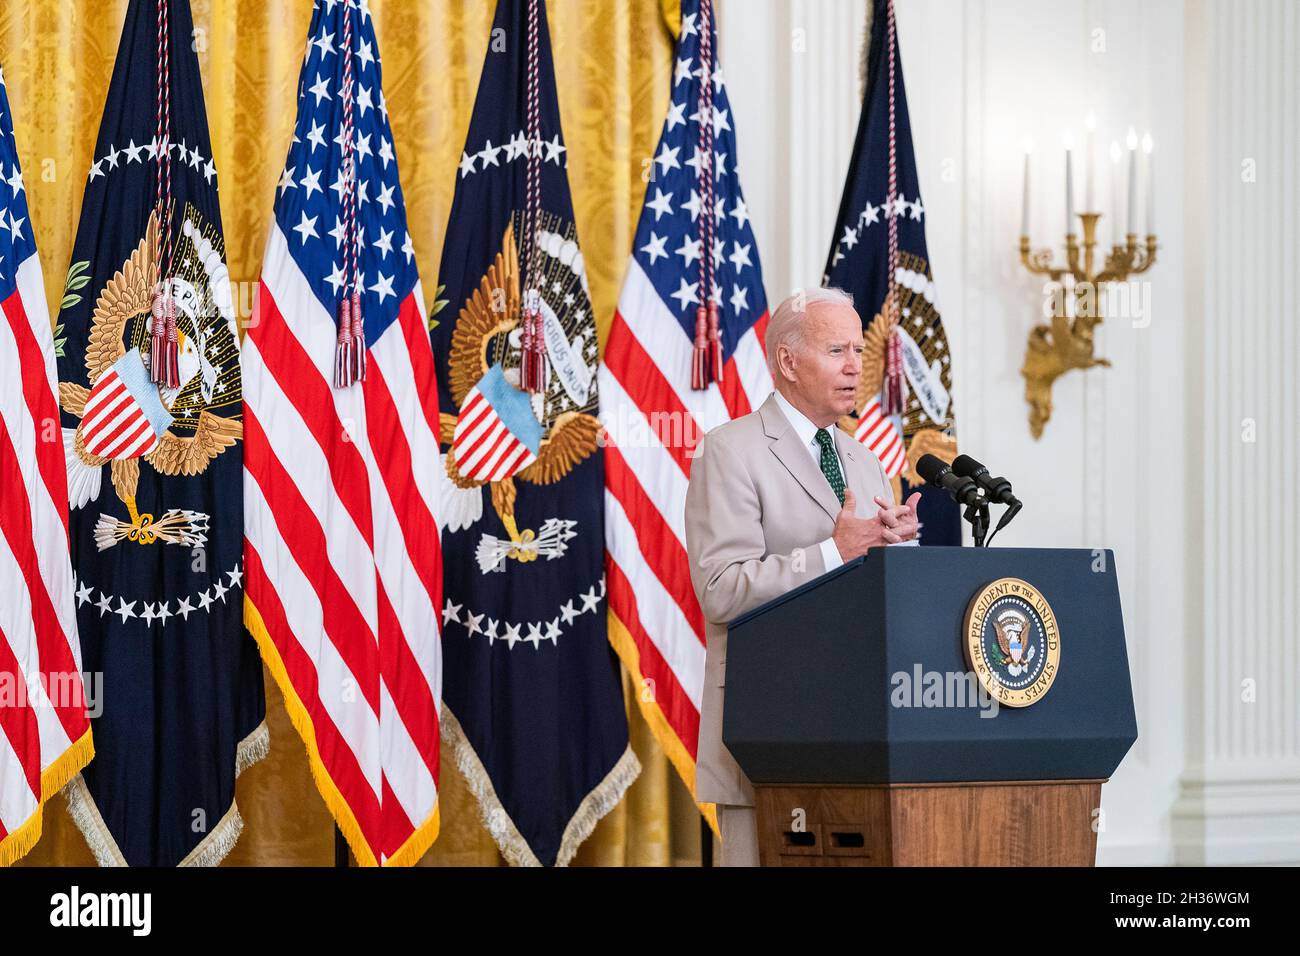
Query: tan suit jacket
{"points": [[757, 508]]}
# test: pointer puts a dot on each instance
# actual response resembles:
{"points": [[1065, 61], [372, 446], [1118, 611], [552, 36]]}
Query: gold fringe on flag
{"points": [[211, 850], [603, 798], [416, 845], [620, 638], [53, 778]]}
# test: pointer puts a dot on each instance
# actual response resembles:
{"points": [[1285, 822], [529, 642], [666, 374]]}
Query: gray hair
{"points": [[786, 326]]}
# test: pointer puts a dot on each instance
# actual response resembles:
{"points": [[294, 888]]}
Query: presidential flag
{"points": [[44, 732], [694, 248], [341, 458], [879, 255], [534, 700], [152, 429]]}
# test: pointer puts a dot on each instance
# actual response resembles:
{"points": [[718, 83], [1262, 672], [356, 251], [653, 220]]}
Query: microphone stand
{"points": [[978, 516]]}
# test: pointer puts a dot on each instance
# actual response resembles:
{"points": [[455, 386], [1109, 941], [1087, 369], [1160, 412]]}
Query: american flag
{"points": [[344, 564], [652, 415], [44, 732]]}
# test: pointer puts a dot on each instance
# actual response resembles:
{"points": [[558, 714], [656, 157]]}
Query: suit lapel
{"points": [[860, 473], [797, 459]]}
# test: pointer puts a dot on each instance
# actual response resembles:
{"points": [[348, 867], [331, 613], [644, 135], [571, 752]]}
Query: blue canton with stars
{"points": [[17, 241], [666, 244], [309, 203]]}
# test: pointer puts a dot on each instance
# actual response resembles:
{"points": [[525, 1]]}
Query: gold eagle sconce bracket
{"points": [[1067, 342]]}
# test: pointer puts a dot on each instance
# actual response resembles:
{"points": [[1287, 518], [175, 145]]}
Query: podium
{"points": [[862, 707]]}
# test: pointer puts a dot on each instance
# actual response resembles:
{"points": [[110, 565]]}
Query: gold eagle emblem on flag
{"points": [[209, 378], [486, 333]]}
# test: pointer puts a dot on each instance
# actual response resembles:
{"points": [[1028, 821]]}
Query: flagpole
{"points": [[341, 860]]}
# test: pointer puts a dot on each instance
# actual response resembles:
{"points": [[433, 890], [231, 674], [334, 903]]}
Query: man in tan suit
{"points": [[775, 499]]}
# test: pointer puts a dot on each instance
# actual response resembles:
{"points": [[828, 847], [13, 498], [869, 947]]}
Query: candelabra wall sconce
{"points": [[1066, 341]]}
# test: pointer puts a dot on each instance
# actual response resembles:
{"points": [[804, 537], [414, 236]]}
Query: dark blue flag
{"points": [[533, 695], [907, 355], [155, 470]]}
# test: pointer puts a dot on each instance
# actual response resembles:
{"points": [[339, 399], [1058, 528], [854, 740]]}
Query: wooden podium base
{"points": [[1012, 823]]}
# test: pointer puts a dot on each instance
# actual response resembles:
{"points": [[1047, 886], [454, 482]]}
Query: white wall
{"points": [[1240, 795], [1125, 461]]}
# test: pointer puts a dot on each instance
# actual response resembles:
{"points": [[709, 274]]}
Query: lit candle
{"points": [[1116, 233], [1024, 199], [1090, 165], [1069, 185], [1147, 145], [1132, 142]]}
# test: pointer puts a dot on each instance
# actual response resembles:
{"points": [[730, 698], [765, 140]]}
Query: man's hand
{"points": [[854, 535], [900, 519]]}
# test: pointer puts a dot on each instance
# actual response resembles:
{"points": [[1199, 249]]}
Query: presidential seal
{"points": [[1011, 642]]}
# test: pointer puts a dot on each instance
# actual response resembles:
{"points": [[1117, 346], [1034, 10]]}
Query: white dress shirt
{"points": [[807, 432]]}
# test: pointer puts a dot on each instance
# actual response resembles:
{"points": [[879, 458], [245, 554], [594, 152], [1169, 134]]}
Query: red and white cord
{"points": [[706, 357], [891, 402], [350, 350], [532, 358], [164, 348]]}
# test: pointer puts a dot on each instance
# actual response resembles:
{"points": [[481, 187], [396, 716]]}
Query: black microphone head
{"points": [[930, 468], [966, 466]]}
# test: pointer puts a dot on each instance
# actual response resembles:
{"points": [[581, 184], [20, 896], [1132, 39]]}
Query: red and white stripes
{"points": [[881, 434], [114, 424], [483, 446], [344, 573], [653, 421], [44, 731]]}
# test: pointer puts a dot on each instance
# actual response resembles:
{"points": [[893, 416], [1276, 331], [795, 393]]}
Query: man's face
{"points": [[822, 379]]}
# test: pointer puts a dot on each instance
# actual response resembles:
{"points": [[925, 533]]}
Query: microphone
{"points": [[961, 488], [997, 489]]}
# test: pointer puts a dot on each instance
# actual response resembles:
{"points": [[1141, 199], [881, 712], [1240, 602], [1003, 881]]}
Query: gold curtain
{"points": [[613, 63]]}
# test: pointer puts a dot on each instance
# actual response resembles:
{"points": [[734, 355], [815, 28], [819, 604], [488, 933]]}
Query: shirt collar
{"points": [[802, 425]]}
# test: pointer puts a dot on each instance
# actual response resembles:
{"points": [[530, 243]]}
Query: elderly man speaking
{"points": [[775, 499]]}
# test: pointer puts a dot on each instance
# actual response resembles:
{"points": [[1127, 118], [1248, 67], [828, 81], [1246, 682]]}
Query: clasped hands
{"points": [[892, 524]]}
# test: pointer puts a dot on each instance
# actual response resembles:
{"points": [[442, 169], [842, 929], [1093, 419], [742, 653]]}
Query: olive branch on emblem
{"points": [[998, 657], [78, 277], [438, 305]]}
